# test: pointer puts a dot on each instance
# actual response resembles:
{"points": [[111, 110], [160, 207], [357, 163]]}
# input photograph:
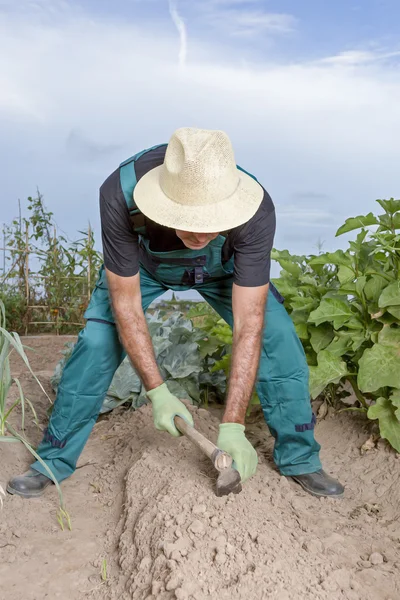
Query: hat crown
{"points": [[199, 167]]}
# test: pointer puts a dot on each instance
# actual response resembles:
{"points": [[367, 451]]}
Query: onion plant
{"points": [[11, 342]]}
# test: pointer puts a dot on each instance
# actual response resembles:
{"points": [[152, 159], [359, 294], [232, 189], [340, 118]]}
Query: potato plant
{"points": [[346, 309]]}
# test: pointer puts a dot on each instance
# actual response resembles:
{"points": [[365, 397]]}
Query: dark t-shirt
{"points": [[250, 243]]}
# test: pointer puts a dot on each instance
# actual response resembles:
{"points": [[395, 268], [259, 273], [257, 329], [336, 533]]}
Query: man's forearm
{"points": [[244, 366], [135, 337]]}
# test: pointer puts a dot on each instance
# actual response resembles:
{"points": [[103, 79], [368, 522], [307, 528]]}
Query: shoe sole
{"points": [[27, 495], [316, 494]]}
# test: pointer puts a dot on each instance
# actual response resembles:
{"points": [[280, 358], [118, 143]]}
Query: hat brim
{"points": [[236, 210]]}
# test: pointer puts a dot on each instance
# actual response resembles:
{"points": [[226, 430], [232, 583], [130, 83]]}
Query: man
{"points": [[181, 217]]}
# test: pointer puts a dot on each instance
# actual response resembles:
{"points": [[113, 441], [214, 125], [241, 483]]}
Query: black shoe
{"points": [[29, 485], [320, 484]]}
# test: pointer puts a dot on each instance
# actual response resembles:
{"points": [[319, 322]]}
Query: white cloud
{"points": [[256, 22], [358, 57], [181, 27], [242, 18]]}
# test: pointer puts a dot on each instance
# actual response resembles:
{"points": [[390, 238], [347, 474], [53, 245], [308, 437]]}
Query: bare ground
{"points": [[143, 511]]}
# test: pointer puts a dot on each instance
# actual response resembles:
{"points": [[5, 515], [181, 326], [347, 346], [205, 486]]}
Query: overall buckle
{"points": [[198, 275]]}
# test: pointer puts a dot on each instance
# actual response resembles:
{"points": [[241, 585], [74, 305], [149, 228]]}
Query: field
{"points": [[146, 524]]}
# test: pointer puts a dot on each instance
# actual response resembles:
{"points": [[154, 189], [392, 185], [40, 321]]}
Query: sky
{"points": [[309, 93]]}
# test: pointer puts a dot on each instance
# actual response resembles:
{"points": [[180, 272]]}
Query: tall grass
{"points": [[11, 342]]}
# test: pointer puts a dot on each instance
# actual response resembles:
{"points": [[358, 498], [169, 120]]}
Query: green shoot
{"points": [[104, 570]]}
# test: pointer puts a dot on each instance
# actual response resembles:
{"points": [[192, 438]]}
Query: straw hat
{"points": [[198, 188]]}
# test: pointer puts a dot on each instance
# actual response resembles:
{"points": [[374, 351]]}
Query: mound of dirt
{"points": [[176, 539], [146, 523]]}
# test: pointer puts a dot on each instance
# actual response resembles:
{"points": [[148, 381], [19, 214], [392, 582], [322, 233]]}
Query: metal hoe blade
{"points": [[228, 482]]}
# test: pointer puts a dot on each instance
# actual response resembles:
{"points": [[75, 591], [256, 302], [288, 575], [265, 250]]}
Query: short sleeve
{"points": [[252, 245], [120, 242]]}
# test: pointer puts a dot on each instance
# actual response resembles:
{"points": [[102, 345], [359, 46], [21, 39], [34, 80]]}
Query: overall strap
{"points": [[128, 180], [247, 173]]}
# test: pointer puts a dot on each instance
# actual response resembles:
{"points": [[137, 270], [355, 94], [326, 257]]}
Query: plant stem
{"points": [[357, 392], [388, 279]]}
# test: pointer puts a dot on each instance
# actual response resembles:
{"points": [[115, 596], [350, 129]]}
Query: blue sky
{"points": [[308, 91]]}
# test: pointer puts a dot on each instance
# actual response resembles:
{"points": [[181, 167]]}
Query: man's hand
{"points": [[232, 440], [166, 406]]}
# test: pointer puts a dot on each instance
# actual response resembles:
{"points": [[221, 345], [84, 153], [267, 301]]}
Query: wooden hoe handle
{"points": [[221, 460]]}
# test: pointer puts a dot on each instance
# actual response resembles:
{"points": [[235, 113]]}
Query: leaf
{"points": [[379, 255], [183, 360], [284, 255], [360, 284], [330, 369], [386, 317], [320, 336], [389, 425], [357, 222], [208, 346], [302, 302], [340, 344], [125, 382], [309, 280], [161, 344], [215, 380], [291, 267], [179, 335], [395, 311], [348, 288], [224, 364], [110, 403], [390, 206], [301, 330], [390, 336], [357, 340], [191, 385], [396, 221], [332, 258], [379, 367], [355, 323], [299, 315], [374, 287], [284, 287], [15, 341], [395, 400], [345, 274], [177, 389], [333, 311], [390, 295]]}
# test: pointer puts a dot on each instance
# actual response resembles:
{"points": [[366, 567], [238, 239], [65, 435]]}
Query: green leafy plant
{"points": [[189, 357], [10, 342], [345, 306]]}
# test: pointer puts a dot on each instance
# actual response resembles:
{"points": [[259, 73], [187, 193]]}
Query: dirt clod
{"points": [[376, 558]]}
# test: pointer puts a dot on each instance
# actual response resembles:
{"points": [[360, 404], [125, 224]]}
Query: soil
{"points": [[145, 515]]}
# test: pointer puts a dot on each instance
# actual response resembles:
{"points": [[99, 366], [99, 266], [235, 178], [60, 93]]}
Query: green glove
{"points": [[232, 440], [166, 406]]}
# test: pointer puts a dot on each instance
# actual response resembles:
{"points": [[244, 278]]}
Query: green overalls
{"points": [[283, 372]]}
